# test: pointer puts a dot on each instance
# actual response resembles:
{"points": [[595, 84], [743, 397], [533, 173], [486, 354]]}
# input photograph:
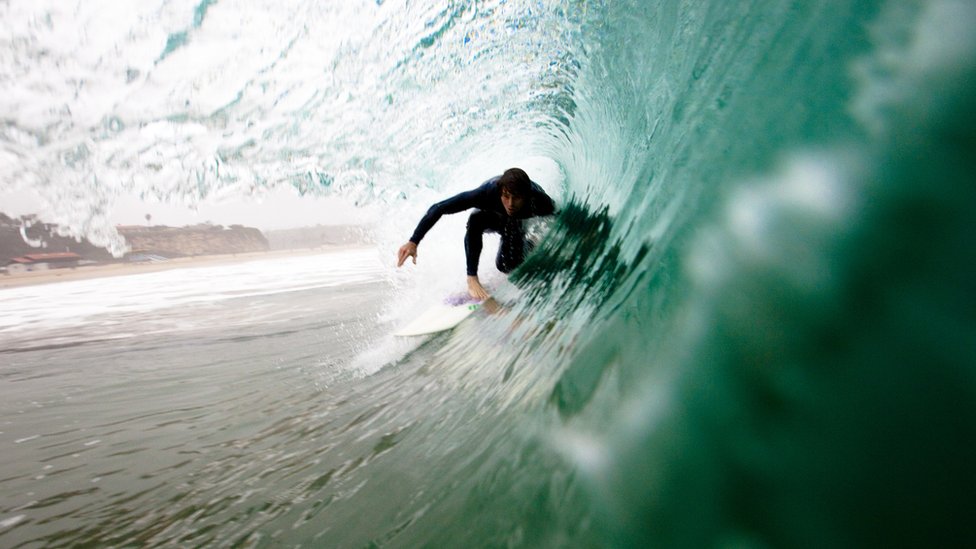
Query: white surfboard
{"points": [[440, 317]]}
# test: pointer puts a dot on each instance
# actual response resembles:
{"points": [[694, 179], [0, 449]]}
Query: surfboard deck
{"points": [[440, 317]]}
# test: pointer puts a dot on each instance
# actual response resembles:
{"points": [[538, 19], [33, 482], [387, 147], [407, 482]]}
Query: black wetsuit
{"points": [[490, 216]]}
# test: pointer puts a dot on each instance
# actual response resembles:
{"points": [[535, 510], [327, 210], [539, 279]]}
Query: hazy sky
{"points": [[279, 209]]}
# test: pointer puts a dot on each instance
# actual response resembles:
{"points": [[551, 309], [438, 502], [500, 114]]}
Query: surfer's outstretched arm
{"points": [[455, 204]]}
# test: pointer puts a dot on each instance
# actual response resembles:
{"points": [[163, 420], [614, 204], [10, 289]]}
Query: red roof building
{"points": [[47, 258], [43, 262]]}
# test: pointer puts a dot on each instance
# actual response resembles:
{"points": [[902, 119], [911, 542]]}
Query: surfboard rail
{"points": [[440, 317]]}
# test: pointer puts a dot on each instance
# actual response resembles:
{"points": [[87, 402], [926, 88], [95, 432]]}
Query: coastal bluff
{"points": [[29, 242], [193, 240], [27, 236]]}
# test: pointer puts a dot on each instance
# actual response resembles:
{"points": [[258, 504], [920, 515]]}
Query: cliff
{"points": [[45, 238], [161, 240], [194, 240], [170, 242]]}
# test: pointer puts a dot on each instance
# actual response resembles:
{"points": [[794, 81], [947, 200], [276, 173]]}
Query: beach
{"points": [[86, 272]]}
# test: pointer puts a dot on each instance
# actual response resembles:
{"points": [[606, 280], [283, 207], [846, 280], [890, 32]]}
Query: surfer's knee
{"points": [[506, 264]]}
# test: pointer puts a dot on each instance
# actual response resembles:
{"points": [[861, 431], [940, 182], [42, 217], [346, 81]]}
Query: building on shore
{"points": [[43, 262]]}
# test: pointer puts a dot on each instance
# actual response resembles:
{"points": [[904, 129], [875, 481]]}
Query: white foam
{"points": [[124, 301], [773, 222], [12, 521], [110, 100], [918, 60], [586, 451]]}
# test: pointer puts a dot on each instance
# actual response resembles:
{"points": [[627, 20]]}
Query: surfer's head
{"points": [[515, 186]]}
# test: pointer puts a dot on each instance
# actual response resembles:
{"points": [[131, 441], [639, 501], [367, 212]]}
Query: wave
{"points": [[751, 321]]}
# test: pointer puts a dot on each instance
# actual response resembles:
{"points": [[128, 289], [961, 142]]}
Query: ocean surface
{"points": [[751, 324]]}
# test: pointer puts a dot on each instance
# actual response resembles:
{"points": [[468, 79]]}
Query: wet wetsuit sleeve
{"points": [[542, 204], [455, 204]]}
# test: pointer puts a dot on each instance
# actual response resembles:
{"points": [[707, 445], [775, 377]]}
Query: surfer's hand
{"points": [[476, 290], [407, 250]]}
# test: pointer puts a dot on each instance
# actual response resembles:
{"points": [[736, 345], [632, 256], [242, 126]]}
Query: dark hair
{"points": [[515, 181]]}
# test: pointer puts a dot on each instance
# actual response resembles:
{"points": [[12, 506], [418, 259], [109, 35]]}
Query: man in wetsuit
{"points": [[501, 203]]}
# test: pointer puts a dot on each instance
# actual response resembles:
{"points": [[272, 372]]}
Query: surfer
{"points": [[500, 203]]}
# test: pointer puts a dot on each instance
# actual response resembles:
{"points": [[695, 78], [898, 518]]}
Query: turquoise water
{"points": [[751, 324]]}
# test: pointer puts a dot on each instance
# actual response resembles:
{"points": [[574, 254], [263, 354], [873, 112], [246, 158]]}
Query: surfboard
{"points": [[440, 317]]}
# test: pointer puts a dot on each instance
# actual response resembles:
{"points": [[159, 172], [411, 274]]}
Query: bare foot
{"points": [[476, 290]]}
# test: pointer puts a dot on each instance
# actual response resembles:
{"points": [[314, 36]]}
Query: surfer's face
{"points": [[512, 202]]}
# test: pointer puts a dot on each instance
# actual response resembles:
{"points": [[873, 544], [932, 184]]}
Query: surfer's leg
{"points": [[511, 249], [478, 222]]}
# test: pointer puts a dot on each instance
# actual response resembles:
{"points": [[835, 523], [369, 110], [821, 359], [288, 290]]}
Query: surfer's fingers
{"points": [[405, 252]]}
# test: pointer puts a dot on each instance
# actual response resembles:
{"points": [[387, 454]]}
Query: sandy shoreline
{"points": [[122, 269]]}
